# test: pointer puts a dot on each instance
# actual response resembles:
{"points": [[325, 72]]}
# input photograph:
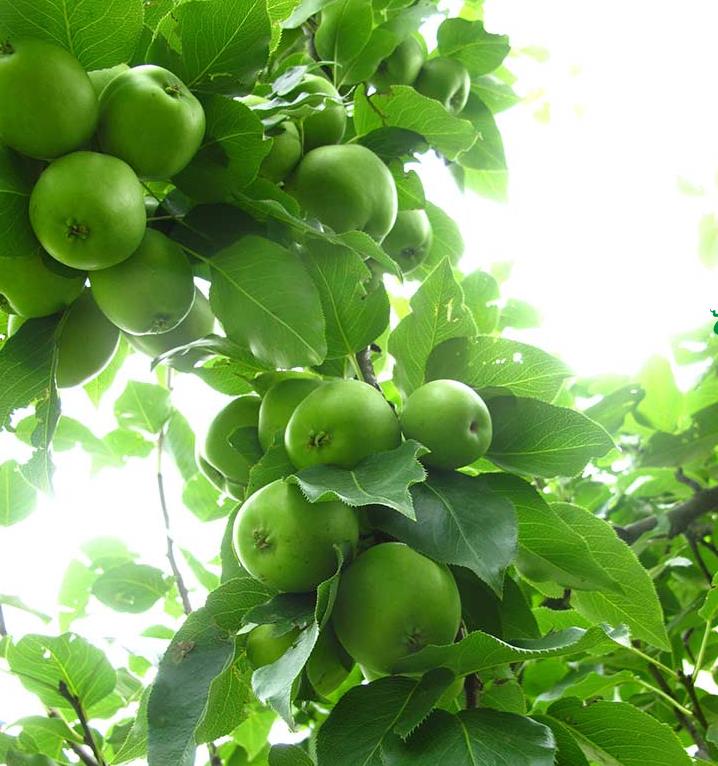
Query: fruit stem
{"points": [[6, 48], [78, 230]]}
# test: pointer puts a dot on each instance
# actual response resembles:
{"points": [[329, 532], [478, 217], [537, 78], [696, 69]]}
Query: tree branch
{"points": [[679, 518], [86, 731], [367, 367], [214, 758], [85, 757]]}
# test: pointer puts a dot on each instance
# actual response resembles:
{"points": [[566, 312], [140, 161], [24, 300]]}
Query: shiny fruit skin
{"points": [[264, 648], [329, 664], [451, 420], [198, 323], [326, 126], [279, 403], [35, 285], [101, 78], [88, 210], [241, 414], [409, 241], [151, 120], [391, 602], [445, 80], [285, 153], [151, 291], [49, 107], [87, 342], [340, 424], [288, 543], [346, 187], [402, 67]]}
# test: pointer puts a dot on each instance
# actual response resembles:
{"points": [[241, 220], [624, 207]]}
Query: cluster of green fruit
{"points": [[103, 133], [391, 600]]}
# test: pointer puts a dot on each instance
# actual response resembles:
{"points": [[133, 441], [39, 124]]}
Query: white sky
{"points": [[603, 243]]}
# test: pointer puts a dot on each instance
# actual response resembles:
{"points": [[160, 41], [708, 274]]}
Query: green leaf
{"points": [[480, 651], [289, 755], [100, 33], [467, 41], [458, 522], [101, 383], [224, 44], [536, 438], [638, 605], [708, 240], [568, 752], [143, 406], [487, 152], [446, 242], [203, 499], [497, 95], [273, 465], [46, 736], [481, 291], [224, 375], [42, 662], [437, 314], [693, 445], [494, 365], [662, 405], [230, 155], [403, 107], [181, 444], [611, 411], [620, 734], [17, 497], [265, 299], [26, 361], [201, 650], [380, 479], [130, 587], [135, 744], [486, 737], [16, 603], [16, 181], [356, 311], [547, 537]]}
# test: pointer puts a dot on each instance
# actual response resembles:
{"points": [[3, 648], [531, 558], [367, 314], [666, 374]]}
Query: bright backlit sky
{"points": [[603, 241]]}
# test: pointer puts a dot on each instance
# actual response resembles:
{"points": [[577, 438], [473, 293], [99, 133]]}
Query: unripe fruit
{"points": [[149, 292], [392, 602], [279, 403], [49, 107], [329, 664], [35, 285], [285, 153], [326, 126], [88, 210], [451, 420], [290, 544], [346, 187], [86, 343], [264, 648], [445, 80], [198, 323], [340, 424], [101, 78], [151, 120], [403, 65], [409, 241]]}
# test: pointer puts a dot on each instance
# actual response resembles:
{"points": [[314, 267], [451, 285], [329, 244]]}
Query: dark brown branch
{"points": [[3, 628], [687, 681], [472, 687], [367, 367], [679, 518], [86, 731], [682, 719], [84, 756], [214, 758], [699, 559], [692, 483]]}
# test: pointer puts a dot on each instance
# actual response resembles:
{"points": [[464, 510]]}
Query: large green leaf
{"points": [[458, 521], [536, 438], [266, 300], [100, 33], [380, 479], [437, 314], [478, 50], [619, 734], [486, 737], [16, 235], [17, 496], [637, 605], [693, 445], [492, 365], [130, 587], [356, 308], [43, 662], [143, 406]]}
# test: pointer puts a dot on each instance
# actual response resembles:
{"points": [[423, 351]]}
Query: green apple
{"points": [[49, 107], [341, 423], [445, 80], [392, 602], [152, 291], [150, 119], [264, 648], [279, 403], [346, 187], [101, 78], [409, 241], [403, 65], [329, 664], [290, 544], [326, 126], [451, 420], [88, 210]]}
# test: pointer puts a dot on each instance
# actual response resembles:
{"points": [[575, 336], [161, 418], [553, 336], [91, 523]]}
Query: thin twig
{"points": [[653, 661], [214, 758], [472, 682], [366, 367], [696, 486], [697, 555], [698, 664], [3, 628], [687, 681], [664, 695], [86, 730], [181, 587], [84, 756]]}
